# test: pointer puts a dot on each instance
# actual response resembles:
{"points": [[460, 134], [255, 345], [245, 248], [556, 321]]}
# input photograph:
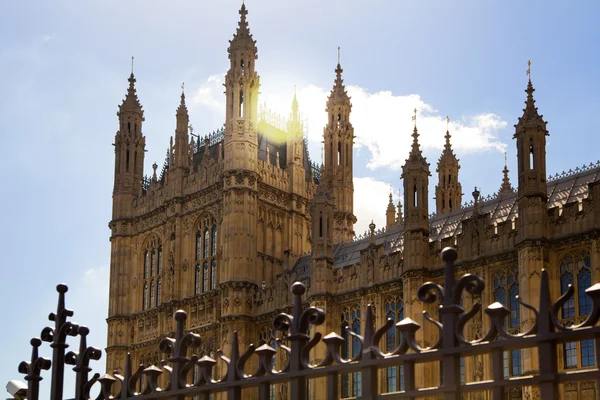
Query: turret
{"points": [[130, 146], [390, 213], [530, 135], [241, 91], [182, 146], [415, 176], [338, 137], [448, 191]]}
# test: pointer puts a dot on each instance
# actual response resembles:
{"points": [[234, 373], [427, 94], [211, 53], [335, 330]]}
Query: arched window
{"points": [[213, 275], [351, 386], [575, 270], [415, 196], [145, 297], [151, 272], [197, 280], [531, 156], [206, 255], [158, 284], [213, 241], [206, 243], [205, 277], [152, 304], [339, 161], [241, 108], [146, 263], [198, 245], [127, 161], [394, 310], [159, 261], [505, 290]]}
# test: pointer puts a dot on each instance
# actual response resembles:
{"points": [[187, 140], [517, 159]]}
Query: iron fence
{"points": [[142, 382]]}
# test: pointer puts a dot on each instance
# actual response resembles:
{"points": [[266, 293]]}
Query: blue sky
{"points": [[64, 68]]}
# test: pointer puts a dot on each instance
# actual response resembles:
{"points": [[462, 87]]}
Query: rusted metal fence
{"points": [[142, 382]]}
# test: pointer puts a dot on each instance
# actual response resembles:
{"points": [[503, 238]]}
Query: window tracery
{"points": [[351, 383], [575, 271], [394, 310], [505, 291], [152, 269], [205, 272]]}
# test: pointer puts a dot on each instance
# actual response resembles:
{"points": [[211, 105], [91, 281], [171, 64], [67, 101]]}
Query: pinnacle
{"points": [[391, 206], [338, 94], [506, 187], [531, 118], [182, 109], [415, 152], [447, 156], [131, 101]]}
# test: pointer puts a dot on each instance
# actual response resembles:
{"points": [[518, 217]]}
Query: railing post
{"points": [[409, 377], [332, 385], [369, 381], [497, 373], [57, 337], [450, 310], [547, 348]]}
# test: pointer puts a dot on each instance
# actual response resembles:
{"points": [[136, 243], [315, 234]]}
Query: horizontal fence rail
{"points": [[141, 382]]}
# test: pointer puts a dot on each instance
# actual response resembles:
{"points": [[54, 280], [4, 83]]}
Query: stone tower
{"points": [[130, 146], [530, 134], [415, 176], [339, 141], [448, 191], [532, 246], [238, 279]]}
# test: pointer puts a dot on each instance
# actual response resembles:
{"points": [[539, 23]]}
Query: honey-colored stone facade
{"points": [[235, 218]]}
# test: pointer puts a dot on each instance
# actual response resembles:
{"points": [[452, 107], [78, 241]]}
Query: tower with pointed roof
{"points": [[338, 137], [530, 135], [415, 177], [448, 191], [130, 146]]}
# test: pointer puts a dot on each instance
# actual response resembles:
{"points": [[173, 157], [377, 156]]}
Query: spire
{"points": [[242, 37], [131, 101], [399, 215], [390, 213], [391, 202], [448, 156], [182, 109], [506, 187], [531, 118], [338, 93], [295, 106], [415, 152]]}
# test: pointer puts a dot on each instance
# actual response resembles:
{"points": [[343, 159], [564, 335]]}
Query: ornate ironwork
{"points": [[545, 334]]}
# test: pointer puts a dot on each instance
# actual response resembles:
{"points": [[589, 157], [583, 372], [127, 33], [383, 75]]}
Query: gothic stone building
{"points": [[236, 217]]}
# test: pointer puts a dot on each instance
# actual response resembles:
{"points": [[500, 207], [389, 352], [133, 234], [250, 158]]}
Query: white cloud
{"points": [[383, 124], [371, 198], [47, 37], [210, 93]]}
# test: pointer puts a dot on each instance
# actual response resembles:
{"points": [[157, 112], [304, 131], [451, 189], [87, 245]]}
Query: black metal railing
{"points": [[142, 382]]}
